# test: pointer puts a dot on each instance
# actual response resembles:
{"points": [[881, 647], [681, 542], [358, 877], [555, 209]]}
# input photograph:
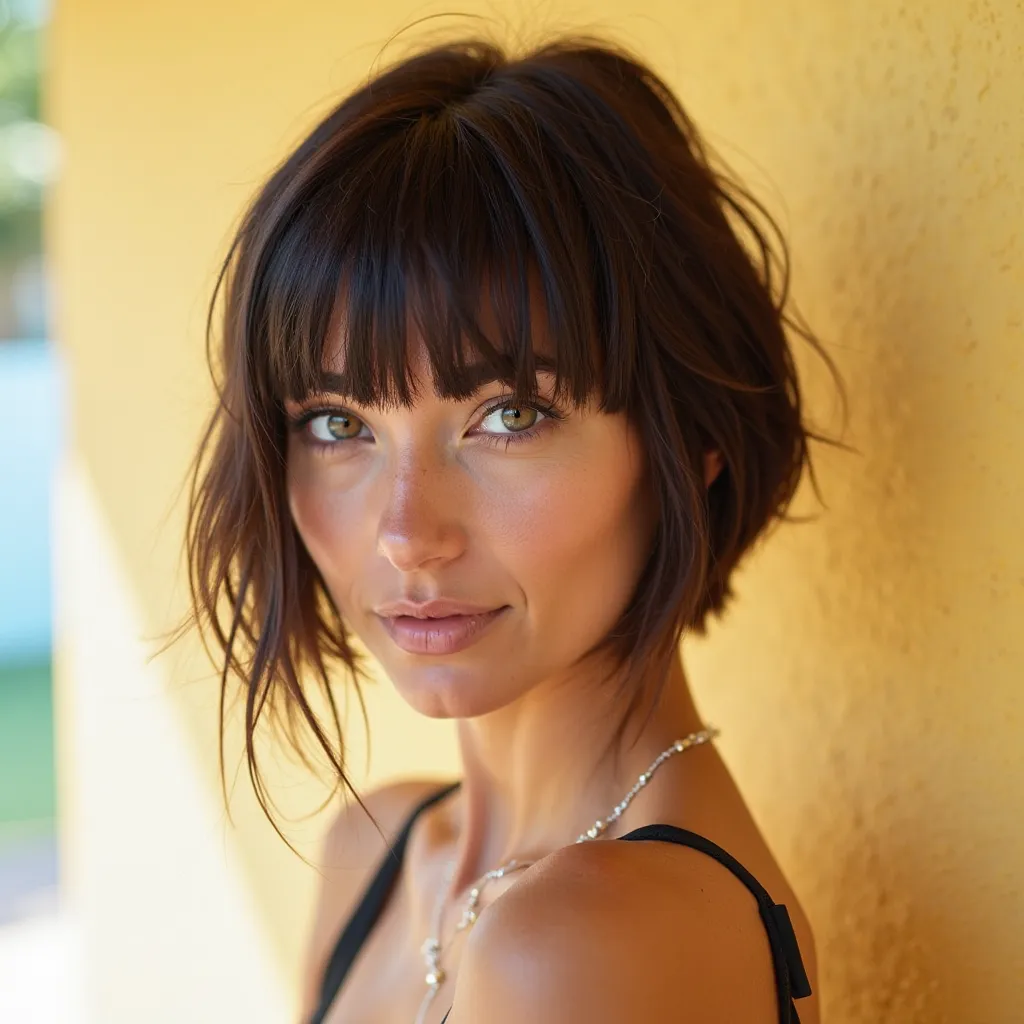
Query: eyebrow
{"points": [[479, 375]]}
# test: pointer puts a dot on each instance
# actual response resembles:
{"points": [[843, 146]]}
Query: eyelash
{"points": [[298, 424]]}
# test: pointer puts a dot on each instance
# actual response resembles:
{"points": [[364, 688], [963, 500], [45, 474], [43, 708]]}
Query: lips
{"points": [[440, 634], [438, 608]]}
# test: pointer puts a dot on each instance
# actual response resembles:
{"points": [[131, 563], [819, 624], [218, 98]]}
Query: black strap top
{"points": [[790, 977]]}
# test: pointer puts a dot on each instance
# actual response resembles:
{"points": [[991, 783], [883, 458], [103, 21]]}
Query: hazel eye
{"points": [[514, 418], [335, 427]]}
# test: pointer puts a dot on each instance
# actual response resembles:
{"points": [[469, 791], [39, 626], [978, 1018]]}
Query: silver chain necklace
{"points": [[431, 948]]}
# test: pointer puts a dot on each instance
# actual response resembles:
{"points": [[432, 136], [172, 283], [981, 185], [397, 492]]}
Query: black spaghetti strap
{"points": [[791, 980], [368, 910]]}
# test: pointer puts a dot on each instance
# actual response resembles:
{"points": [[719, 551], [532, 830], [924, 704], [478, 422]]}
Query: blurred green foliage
{"points": [[28, 148], [27, 782]]}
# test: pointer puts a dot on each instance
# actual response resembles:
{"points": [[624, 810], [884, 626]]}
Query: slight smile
{"points": [[444, 635]]}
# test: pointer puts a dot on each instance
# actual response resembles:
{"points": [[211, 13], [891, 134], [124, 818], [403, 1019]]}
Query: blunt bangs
{"points": [[447, 218]]}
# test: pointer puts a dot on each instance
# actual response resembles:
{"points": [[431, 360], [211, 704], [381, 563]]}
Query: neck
{"points": [[536, 773]]}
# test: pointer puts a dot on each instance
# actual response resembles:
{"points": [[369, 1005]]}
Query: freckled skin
{"points": [[556, 527]]}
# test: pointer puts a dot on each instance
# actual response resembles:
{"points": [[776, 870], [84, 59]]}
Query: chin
{"points": [[449, 690]]}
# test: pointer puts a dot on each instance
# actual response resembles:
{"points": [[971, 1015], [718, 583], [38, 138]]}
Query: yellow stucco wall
{"points": [[869, 679]]}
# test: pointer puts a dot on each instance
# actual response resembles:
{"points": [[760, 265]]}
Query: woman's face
{"points": [[541, 516]]}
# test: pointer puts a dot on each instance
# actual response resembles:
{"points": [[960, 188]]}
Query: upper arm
{"points": [[605, 942], [351, 849]]}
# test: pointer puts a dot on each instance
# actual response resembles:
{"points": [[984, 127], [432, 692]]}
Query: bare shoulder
{"points": [[620, 931], [351, 851]]}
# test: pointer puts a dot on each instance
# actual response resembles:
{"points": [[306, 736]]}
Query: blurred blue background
{"points": [[29, 409]]}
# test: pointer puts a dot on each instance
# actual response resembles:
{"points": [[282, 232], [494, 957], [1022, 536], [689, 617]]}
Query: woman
{"points": [[507, 397]]}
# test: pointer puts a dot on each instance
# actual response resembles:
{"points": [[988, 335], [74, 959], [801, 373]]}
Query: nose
{"points": [[419, 525]]}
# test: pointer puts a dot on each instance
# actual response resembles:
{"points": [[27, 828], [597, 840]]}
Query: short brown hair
{"points": [[459, 171]]}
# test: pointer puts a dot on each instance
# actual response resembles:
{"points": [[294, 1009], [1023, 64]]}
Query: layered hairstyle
{"points": [[449, 179]]}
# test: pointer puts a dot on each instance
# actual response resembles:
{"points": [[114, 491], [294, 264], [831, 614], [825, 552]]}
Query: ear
{"points": [[712, 466]]}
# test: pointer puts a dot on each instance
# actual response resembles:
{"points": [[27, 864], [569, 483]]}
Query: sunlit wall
{"points": [[868, 680]]}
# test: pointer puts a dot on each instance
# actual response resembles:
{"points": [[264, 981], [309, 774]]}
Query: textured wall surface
{"points": [[868, 680]]}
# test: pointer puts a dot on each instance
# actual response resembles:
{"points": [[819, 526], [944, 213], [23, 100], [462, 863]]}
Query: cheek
{"points": [[323, 517], [575, 538]]}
